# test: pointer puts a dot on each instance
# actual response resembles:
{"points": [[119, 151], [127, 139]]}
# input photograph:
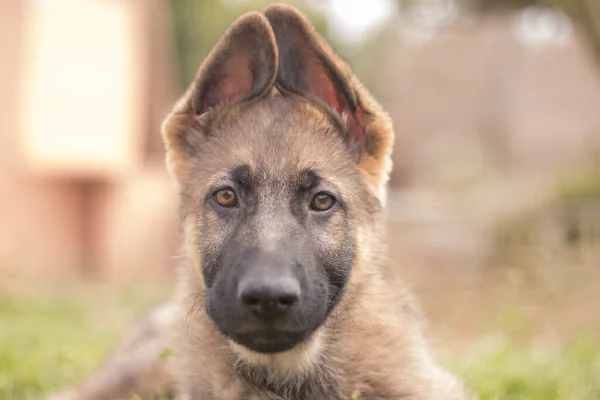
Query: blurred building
{"points": [[85, 85]]}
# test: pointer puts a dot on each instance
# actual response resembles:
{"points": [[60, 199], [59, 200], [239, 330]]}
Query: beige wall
{"points": [[107, 214], [38, 216]]}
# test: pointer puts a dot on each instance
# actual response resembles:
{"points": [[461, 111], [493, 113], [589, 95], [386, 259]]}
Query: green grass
{"points": [[47, 342], [503, 370]]}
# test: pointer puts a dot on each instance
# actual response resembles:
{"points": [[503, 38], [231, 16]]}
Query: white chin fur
{"points": [[299, 360]]}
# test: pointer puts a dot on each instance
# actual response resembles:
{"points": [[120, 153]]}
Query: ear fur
{"points": [[241, 67], [308, 66]]}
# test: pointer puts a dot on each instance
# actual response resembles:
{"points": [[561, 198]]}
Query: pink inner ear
{"points": [[232, 88], [322, 86], [234, 83], [229, 89]]}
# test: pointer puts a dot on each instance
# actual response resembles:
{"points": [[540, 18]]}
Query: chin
{"points": [[270, 341], [290, 357]]}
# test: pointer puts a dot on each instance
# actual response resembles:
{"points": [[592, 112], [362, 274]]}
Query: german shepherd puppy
{"points": [[281, 160]]}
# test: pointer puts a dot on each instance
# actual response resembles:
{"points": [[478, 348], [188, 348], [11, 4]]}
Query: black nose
{"points": [[269, 298]]}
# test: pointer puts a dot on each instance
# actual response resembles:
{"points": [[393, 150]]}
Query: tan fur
{"points": [[373, 342]]}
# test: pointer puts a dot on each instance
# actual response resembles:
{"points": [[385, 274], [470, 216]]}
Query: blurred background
{"points": [[494, 211]]}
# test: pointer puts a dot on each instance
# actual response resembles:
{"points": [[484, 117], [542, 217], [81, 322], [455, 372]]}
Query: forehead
{"points": [[277, 136]]}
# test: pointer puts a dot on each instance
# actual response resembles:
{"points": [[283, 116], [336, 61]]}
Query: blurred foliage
{"points": [[585, 13], [580, 188], [499, 370], [198, 25], [49, 341]]}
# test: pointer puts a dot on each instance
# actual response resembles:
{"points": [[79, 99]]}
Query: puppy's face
{"points": [[275, 155], [275, 196]]}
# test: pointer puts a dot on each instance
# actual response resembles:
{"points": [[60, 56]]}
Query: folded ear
{"points": [[308, 66], [241, 67]]}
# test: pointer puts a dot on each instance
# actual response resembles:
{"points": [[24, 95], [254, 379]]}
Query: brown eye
{"points": [[322, 202], [225, 198]]}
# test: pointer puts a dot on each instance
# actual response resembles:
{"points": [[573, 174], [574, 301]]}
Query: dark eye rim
{"points": [[228, 188], [321, 193]]}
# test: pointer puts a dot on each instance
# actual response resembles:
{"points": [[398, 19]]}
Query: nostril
{"points": [[288, 301], [250, 301]]}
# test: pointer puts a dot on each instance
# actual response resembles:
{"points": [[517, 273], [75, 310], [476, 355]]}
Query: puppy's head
{"points": [[281, 158]]}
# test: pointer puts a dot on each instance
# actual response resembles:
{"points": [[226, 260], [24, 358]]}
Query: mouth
{"points": [[270, 341]]}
